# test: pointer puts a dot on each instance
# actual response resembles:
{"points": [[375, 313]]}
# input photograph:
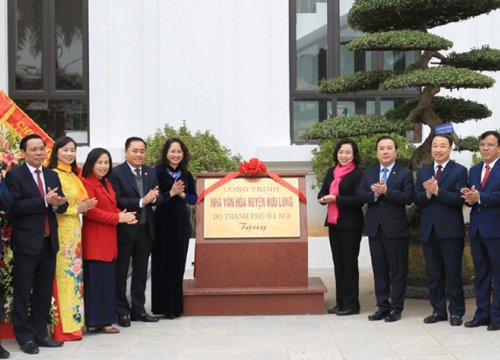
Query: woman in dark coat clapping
{"points": [[345, 224], [172, 229]]}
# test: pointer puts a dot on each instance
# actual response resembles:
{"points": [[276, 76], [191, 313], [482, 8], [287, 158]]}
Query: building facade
{"points": [[104, 70]]}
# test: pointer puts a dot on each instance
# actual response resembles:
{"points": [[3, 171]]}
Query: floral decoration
{"points": [[252, 167]]}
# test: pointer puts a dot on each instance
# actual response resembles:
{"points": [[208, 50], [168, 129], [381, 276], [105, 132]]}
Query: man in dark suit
{"points": [[6, 201], [484, 197], [437, 192], [136, 188], [37, 196], [387, 188]]}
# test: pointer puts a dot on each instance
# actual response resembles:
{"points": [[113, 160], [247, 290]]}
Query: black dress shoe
{"points": [[494, 326], [48, 342], [123, 321], [475, 323], [30, 348], [378, 315], [393, 316], [455, 320], [345, 312], [434, 318], [143, 317], [333, 310], [4, 354]]}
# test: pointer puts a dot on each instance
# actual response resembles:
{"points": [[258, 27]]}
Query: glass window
{"points": [[319, 35], [58, 117], [69, 44], [399, 60], [28, 35], [355, 106], [351, 61], [307, 113], [48, 76], [311, 43]]}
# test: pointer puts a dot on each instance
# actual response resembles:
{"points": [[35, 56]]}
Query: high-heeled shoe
{"points": [[109, 330]]}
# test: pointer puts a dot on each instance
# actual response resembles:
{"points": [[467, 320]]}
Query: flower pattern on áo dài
{"points": [[69, 269]]}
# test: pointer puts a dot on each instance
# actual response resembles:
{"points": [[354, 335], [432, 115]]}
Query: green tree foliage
{"points": [[207, 154], [402, 25], [362, 80], [400, 40], [384, 15], [355, 125], [484, 59], [446, 77], [454, 110]]}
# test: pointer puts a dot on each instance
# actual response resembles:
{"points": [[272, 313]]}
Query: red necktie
{"points": [[42, 192], [486, 174]]}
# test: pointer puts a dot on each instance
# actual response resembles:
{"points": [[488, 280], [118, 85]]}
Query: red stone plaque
{"points": [[253, 258]]}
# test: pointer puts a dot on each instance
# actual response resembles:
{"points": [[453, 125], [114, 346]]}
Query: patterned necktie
{"points": [[42, 192], [439, 172], [384, 174], [138, 173], [486, 174]]}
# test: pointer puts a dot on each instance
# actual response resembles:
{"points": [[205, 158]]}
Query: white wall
{"points": [[220, 65]]}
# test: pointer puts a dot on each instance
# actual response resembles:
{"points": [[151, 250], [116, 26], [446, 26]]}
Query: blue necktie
{"points": [[384, 174]]}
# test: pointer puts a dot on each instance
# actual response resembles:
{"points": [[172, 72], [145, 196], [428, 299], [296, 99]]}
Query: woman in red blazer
{"points": [[99, 242]]}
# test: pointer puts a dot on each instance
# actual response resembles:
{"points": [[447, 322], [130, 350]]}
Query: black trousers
{"points": [[345, 244], [33, 279], [138, 250], [443, 262], [390, 270]]}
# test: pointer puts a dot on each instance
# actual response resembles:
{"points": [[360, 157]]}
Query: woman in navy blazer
{"points": [[345, 224]]}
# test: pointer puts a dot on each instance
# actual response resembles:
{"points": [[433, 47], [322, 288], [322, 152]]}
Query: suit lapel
{"points": [[446, 171], [392, 174], [32, 182], [146, 179], [493, 171]]}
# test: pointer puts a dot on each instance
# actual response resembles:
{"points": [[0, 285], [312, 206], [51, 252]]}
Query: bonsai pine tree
{"points": [[404, 25]]}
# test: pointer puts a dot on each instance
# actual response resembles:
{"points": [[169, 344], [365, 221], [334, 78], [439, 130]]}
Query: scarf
{"points": [[175, 174], [339, 172]]}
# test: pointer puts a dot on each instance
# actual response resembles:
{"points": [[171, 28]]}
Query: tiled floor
{"points": [[288, 337]]}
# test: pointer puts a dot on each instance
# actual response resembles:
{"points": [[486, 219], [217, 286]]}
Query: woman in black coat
{"points": [[345, 224], [172, 229]]}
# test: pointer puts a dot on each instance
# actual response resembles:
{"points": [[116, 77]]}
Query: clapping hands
{"points": [[151, 196], [431, 187], [53, 198], [86, 205], [470, 195], [379, 188], [127, 217], [178, 189]]}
